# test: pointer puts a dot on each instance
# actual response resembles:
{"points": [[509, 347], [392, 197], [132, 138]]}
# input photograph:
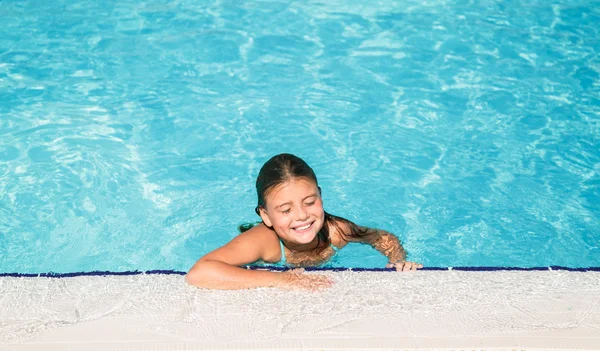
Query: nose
{"points": [[301, 214]]}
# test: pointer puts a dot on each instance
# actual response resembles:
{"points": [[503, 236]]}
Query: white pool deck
{"points": [[425, 310]]}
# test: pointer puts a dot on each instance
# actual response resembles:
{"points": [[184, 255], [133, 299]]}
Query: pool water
{"points": [[131, 132]]}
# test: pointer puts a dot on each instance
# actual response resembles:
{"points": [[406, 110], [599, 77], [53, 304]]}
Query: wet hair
{"points": [[283, 168]]}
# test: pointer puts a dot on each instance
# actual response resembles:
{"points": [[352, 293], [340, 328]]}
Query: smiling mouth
{"points": [[304, 228]]}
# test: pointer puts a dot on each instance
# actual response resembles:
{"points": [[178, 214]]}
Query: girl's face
{"points": [[295, 210]]}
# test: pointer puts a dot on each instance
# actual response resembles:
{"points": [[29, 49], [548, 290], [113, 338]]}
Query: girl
{"points": [[295, 231]]}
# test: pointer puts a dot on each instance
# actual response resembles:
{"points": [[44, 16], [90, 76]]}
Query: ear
{"points": [[265, 217]]}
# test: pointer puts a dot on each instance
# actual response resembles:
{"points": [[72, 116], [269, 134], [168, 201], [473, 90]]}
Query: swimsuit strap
{"points": [[282, 260], [335, 248]]}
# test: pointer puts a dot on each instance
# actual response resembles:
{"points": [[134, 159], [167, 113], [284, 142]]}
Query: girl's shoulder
{"points": [[338, 231], [266, 238]]}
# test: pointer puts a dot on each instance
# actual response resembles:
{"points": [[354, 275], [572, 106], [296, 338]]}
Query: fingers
{"points": [[405, 266], [297, 280], [409, 266], [320, 282]]}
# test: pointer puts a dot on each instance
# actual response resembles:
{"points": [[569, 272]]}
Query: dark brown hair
{"points": [[285, 167]]}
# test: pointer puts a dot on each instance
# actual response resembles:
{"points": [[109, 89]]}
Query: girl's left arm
{"points": [[389, 245]]}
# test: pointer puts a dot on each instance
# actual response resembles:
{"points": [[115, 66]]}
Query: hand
{"points": [[404, 266], [296, 279]]}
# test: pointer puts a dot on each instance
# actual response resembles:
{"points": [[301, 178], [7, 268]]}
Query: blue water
{"points": [[131, 132]]}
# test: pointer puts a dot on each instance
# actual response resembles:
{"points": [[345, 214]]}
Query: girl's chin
{"points": [[302, 237], [305, 240]]}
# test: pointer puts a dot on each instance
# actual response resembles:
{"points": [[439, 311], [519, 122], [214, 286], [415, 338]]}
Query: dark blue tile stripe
{"points": [[331, 269]]}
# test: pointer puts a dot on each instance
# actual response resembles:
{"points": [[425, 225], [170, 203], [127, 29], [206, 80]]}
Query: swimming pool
{"points": [[132, 132]]}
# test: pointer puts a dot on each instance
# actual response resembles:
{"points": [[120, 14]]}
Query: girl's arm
{"points": [[388, 244], [220, 268]]}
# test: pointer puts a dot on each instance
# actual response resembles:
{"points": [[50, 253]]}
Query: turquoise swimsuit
{"points": [[282, 261]]}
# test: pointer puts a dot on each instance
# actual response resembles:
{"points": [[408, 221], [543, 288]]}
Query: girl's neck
{"points": [[301, 247]]}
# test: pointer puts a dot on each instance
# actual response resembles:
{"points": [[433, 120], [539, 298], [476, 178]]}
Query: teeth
{"points": [[302, 228]]}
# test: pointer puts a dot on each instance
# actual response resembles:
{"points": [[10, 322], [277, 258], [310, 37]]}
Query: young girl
{"points": [[295, 231]]}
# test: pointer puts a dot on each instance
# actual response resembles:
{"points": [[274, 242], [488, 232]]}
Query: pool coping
{"points": [[130, 332], [313, 269]]}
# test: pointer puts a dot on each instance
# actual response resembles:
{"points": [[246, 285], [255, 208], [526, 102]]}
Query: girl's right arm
{"points": [[220, 269]]}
